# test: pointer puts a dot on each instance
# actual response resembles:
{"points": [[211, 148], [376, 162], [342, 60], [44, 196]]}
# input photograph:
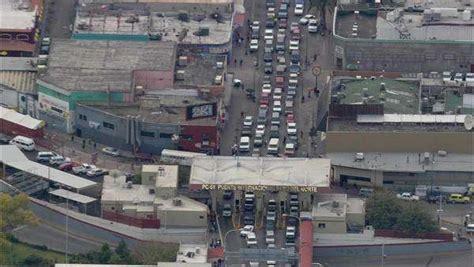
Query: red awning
{"points": [[239, 20], [306, 244], [14, 45]]}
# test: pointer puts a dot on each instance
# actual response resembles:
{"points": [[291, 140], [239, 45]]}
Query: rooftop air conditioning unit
{"points": [[180, 75], [183, 61], [218, 80], [359, 156], [220, 65], [426, 157], [442, 153], [177, 202], [151, 191]]}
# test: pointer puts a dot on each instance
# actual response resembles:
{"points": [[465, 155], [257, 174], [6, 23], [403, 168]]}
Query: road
{"points": [[60, 15]]}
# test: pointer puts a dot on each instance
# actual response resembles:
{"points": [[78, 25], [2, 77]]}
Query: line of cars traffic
{"points": [[280, 83], [66, 164]]}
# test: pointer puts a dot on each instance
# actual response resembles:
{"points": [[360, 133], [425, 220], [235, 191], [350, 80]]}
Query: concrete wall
{"points": [[405, 55], [390, 250], [331, 226], [177, 218], [117, 136], [416, 142]]}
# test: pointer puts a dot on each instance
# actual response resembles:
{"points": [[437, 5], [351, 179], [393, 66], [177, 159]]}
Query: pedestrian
{"points": [[309, 94], [302, 99], [83, 143], [315, 57], [242, 114], [241, 39], [284, 140], [72, 138], [241, 62], [301, 133], [235, 62], [95, 145], [243, 87]]}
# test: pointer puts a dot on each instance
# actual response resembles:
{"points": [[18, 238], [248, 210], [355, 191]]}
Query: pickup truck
{"points": [[408, 196]]}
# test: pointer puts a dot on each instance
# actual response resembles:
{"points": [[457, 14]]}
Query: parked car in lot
{"points": [[291, 128], [96, 172], [408, 196], [277, 106], [246, 131], [366, 192], [268, 34], [228, 194], [458, 198], [271, 215], [83, 168], [253, 45], [260, 130], [58, 160], [277, 94], [251, 239], [282, 23], [313, 26], [267, 88], [268, 68], [289, 149], [255, 26], [275, 120], [244, 145], [66, 167], [270, 23], [249, 218], [248, 121], [294, 45], [305, 20], [267, 57], [45, 156], [290, 118], [258, 140], [273, 146], [299, 9], [111, 151]]}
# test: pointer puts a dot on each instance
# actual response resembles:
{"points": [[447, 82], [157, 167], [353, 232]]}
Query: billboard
{"points": [[201, 111]]}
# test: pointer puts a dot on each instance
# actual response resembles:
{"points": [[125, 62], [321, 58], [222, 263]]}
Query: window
{"points": [[187, 137], [321, 225], [147, 134], [83, 117], [165, 135], [57, 110], [108, 125], [201, 217]]}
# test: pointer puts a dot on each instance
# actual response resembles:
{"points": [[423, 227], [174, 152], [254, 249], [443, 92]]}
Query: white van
{"points": [[23, 143], [244, 144], [273, 146], [470, 228]]}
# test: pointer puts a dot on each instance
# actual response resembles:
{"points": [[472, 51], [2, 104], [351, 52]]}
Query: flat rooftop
{"points": [[159, 114], [200, 70], [261, 171], [397, 97], [400, 123], [329, 206], [403, 162], [199, 251], [462, 103], [17, 14], [450, 25], [116, 190], [105, 65], [187, 204], [94, 19], [166, 175]]}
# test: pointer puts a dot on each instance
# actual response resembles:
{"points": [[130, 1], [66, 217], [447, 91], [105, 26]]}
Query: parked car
{"points": [[45, 156], [248, 121], [251, 239], [458, 198], [271, 215], [83, 168], [436, 198], [274, 131], [299, 9], [96, 172], [267, 57], [366, 192], [289, 149], [66, 167], [244, 145], [227, 194], [268, 68], [408, 196], [253, 47], [258, 140], [273, 146], [305, 20], [111, 151], [58, 160], [260, 130], [291, 128], [313, 26], [294, 45], [270, 237]]}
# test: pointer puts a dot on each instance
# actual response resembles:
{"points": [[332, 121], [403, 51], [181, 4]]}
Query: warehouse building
{"points": [[268, 178], [156, 200], [421, 36], [13, 123], [100, 72]]}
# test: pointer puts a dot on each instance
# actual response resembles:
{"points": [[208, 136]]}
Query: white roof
{"points": [[468, 101], [12, 156], [11, 17], [410, 118], [73, 196], [269, 171], [18, 118], [115, 190], [166, 175]]}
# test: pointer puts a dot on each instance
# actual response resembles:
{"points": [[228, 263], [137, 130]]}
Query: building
{"points": [[13, 123], [419, 36], [202, 27], [156, 200], [336, 214], [100, 72], [268, 178], [392, 138], [182, 121], [18, 84], [20, 27]]}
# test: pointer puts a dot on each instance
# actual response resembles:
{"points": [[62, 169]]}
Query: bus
{"points": [[179, 157]]}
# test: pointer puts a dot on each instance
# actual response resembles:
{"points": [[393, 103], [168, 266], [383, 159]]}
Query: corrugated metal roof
{"points": [[20, 119], [410, 118], [22, 81]]}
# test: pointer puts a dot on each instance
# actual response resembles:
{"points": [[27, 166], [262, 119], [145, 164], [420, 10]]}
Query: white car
{"points": [[446, 76], [111, 151], [291, 129], [58, 160], [248, 121], [299, 9], [277, 95], [244, 145], [458, 77], [267, 88], [294, 45], [277, 106], [96, 172], [304, 20], [83, 168], [268, 34], [313, 25], [289, 149], [251, 239], [260, 130], [246, 230], [273, 146], [270, 237], [255, 26], [469, 77], [253, 45]]}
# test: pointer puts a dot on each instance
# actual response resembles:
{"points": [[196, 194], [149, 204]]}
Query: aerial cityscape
{"points": [[240, 133]]}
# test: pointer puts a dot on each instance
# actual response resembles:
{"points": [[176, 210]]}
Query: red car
{"points": [[290, 118], [296, 34], [66, 167], [280, 81], [282, 24], [264, 99]]}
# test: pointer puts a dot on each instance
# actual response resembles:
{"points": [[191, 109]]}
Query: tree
{"points": [[323, 6], [14, 212], [123, 253], [151, 253], [385, 211], [105, 253]]}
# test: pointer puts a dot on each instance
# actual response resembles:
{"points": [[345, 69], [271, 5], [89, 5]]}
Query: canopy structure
{"points": [[72, 196]]}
